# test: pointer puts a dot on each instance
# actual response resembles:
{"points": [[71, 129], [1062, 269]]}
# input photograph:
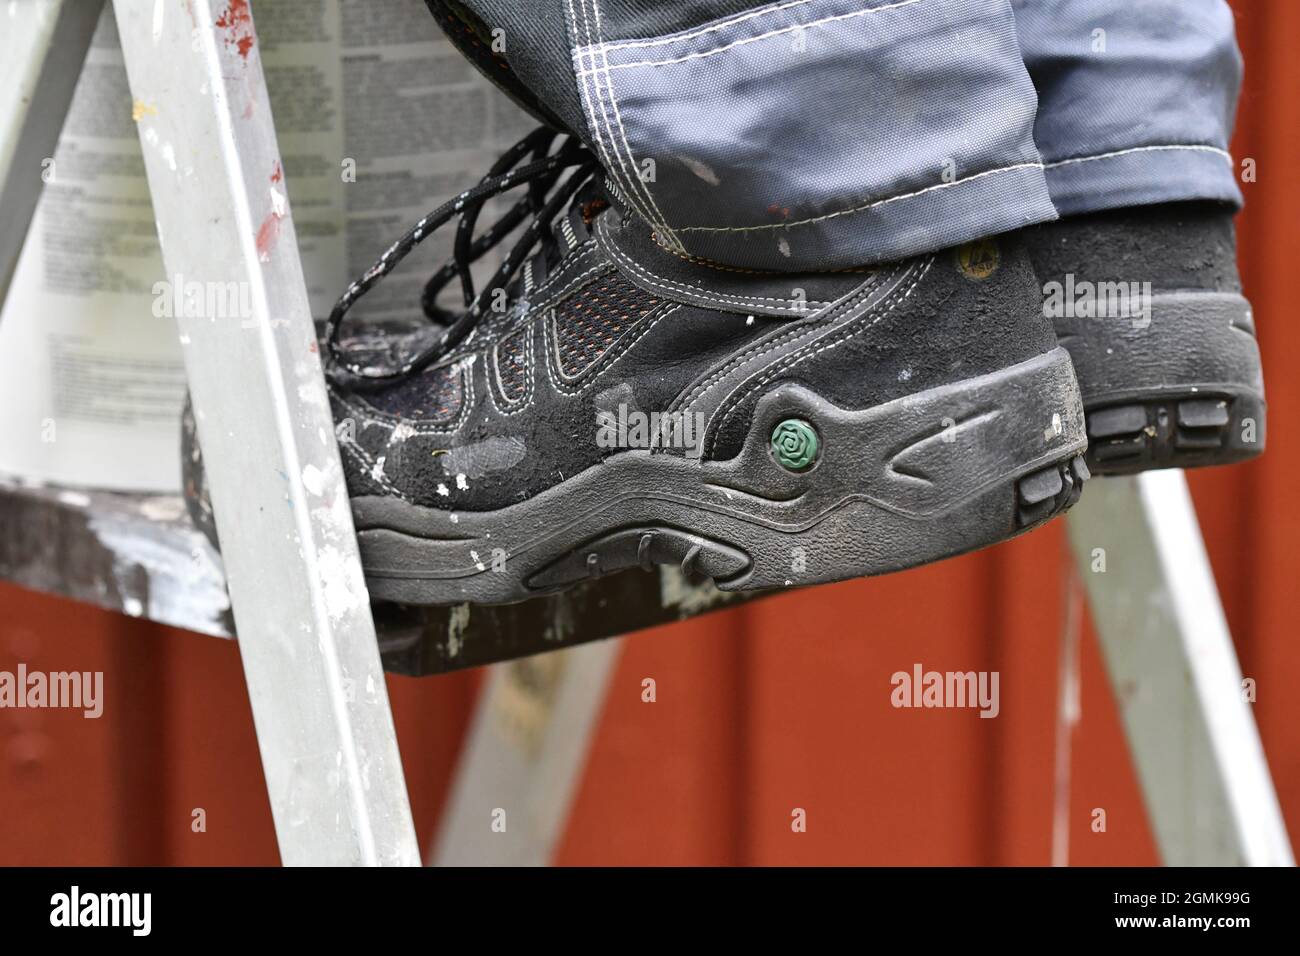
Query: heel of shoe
{"points": [[932, 475], [1181, 388]]}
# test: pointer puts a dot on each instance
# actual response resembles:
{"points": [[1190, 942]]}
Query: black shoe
{"points": [[625, 407], [1148, 302]]}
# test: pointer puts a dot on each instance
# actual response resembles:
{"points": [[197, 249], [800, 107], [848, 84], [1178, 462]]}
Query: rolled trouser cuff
{"points": [[824, 135], [1136, 100], [933, 218], [1142, 176]]}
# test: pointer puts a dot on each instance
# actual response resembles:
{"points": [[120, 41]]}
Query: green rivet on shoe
{"points": [[794, 442]]}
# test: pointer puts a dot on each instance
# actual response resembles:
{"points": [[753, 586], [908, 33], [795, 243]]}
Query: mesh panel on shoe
{"points": [[512, 369], [592, 319], [434, 395]]}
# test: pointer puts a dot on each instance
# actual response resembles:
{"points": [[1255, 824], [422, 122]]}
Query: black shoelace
{"points": [[544, 202]]}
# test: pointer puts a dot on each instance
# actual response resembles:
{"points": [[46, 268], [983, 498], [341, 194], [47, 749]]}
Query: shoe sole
{"points": [[1184, 391], [924, 477]]}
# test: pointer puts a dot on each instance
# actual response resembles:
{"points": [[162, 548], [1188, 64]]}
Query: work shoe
{"points": [[608, 404], [1148, 302]]}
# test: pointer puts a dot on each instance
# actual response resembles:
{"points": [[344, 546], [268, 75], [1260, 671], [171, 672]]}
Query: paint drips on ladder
{"points": [[269, 232], [237, 21]]}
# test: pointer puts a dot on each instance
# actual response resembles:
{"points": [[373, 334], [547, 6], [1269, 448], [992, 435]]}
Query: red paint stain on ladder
{"points": [[237, 21], [269, 232], [267, 235]]}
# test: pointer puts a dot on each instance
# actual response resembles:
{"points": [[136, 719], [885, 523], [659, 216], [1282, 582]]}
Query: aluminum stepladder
{"points": [[306, 635], [307, 638]]}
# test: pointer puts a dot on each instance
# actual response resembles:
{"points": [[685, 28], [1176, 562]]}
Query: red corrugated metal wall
{"points": [[777, 705]]}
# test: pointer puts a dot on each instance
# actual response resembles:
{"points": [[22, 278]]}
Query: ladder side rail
{"points": [[1175, 675], [527, 746], [302, 613], [42, 48]]}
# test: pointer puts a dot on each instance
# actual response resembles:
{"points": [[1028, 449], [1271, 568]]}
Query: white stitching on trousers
{"points": [[584, 86], [635, 175], [989, 172], [864, 208], [1140, 149], [593, 95], [762, 36], [713, 28]]}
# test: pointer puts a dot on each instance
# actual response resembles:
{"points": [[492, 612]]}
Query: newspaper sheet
{"points": [[379, 119]]}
